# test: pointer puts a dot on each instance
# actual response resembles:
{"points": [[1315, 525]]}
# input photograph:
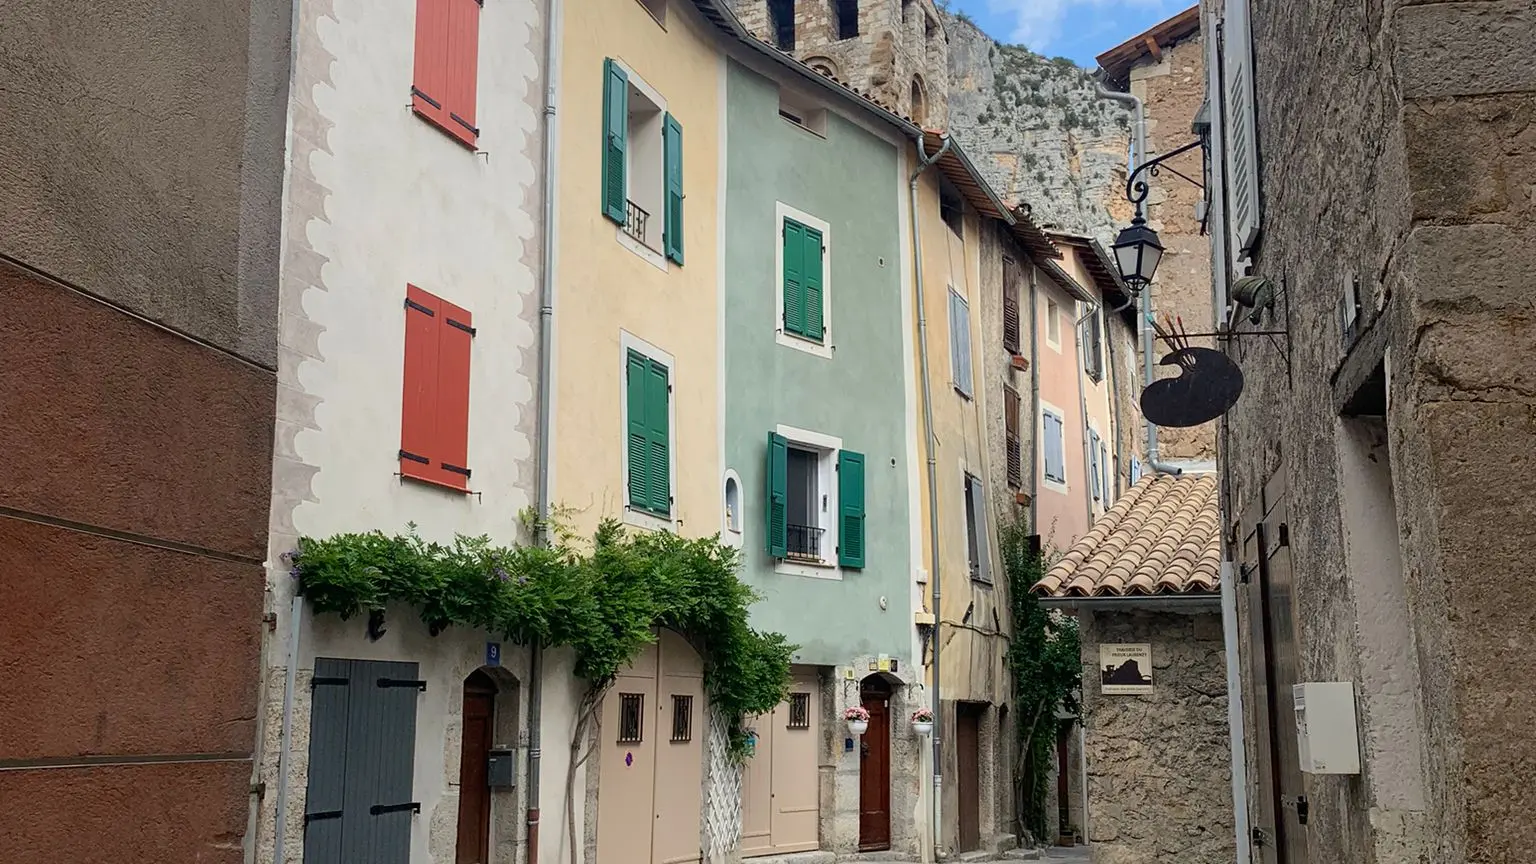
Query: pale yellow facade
{"points": [[613, 292], [1096, 395]]}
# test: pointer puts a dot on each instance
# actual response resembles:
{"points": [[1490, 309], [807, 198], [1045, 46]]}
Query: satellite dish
{"points": [[1208, 385]]}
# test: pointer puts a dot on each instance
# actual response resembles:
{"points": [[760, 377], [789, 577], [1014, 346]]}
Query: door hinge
{"points": [[1285, 533], [328, 682], [377, 809]]}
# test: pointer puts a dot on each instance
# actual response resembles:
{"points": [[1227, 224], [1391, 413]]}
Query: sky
{"points": [[1076, 29]]}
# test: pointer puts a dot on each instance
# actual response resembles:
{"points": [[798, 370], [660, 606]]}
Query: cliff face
{"points": [[1038, 132]]}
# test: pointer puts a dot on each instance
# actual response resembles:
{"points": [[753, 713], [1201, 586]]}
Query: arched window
{"points": [[917, 102]]}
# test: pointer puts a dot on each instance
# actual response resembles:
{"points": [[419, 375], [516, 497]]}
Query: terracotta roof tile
{"points": [[1161, 537]]}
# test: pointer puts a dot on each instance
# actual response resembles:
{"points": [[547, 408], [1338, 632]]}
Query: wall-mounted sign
{"points": [[493, 653], [1125, 669]]}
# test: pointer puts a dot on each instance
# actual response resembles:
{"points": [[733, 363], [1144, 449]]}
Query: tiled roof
{"points": [[1161, 537]]}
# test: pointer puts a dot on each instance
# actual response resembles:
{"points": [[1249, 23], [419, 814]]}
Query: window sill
{"points": [[639, 518], [655, 258], [820, 349], [1097, 379], [807, 569], [1054, 486]]}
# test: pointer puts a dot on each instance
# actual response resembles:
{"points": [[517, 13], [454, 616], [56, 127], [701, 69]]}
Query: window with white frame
{"points": [[803, 289], [960, 343], [815, 500], [642, 165], [1053, 323]]}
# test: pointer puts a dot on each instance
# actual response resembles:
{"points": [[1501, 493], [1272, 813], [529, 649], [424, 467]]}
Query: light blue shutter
{"points": [[381, 744], [1135, 470], [1108, 471], [324, 805], [1055, 468], [960, 342], [1094, 474], [983, 543]]}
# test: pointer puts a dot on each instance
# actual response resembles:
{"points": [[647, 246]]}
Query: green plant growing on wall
{"points": [[604, 601], [1045, 661]]}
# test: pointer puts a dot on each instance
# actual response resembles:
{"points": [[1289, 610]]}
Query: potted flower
{"points": [[858, 719], [922, 721]]}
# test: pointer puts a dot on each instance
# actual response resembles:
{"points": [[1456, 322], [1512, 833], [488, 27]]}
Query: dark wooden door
{"points": [[875, 769], [968, 775], [1063, 787], [474, 842], [1284, 672]]}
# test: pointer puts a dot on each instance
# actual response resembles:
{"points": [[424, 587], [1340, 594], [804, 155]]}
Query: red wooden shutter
{"points": [[452, 457], [447, 65], [418, 403]]}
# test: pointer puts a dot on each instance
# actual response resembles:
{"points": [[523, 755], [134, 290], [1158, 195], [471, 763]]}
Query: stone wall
{"points": [[1159, 778], [1411, 173], [1172, 90]]}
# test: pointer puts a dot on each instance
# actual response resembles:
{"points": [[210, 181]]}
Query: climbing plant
{"points": [[602, 599], [1045, 661]]}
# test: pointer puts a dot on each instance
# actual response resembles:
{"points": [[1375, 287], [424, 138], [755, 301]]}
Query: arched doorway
{"points": [[875, 766], [474, 830]]}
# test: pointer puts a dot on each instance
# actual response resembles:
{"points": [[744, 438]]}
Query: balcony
{"points": [[635, 219], [804, 543]]}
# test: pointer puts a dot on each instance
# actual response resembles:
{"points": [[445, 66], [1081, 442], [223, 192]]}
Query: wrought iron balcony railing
{"points": [[634, 221], [804, 542]]}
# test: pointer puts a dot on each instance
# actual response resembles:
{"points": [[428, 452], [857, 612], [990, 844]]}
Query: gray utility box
{"points": [[501, 769]]}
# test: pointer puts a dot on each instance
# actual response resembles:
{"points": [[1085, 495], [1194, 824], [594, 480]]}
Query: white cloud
{"points": [[1039, 24]]}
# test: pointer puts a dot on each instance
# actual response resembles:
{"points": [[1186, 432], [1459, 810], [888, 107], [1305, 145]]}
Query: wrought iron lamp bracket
{"points": [[1136, 188]]}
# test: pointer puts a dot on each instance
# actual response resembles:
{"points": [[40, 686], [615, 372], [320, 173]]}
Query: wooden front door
{"points": [[875, 768], [780, 789], [1063, 785], [968, 776], [474, 839]]}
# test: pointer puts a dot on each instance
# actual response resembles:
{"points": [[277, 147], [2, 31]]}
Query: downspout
{"points": [[546, 408], [1034, 399], [1082, 406], [1114, 383], [930, 444], [1139, 156]]}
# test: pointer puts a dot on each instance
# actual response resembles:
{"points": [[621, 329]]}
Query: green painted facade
{"points": [[848, 180]]}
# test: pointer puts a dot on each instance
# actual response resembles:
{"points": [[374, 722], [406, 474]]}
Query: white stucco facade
{"points": [[377, 198]]}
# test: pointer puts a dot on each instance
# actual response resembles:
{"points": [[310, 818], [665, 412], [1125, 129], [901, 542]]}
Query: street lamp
{"points": [[1137, 253]]}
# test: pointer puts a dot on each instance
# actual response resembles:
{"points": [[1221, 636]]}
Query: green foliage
{"points": [[603, 602], [1046, 663]]}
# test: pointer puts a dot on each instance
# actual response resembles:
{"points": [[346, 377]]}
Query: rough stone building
{"points": [[895, 51], [1165, 68], [1375, 166], [1144, 585], [139, 221]]}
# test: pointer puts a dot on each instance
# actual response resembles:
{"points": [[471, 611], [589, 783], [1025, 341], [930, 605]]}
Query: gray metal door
{"points": [[362, 747]]}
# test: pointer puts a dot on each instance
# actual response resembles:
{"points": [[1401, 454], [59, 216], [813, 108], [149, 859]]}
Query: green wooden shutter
{"points": [[812, 263], [777, 529], [659, 437], [850, 503], [794, 277], [636, 370], [672, 230], [615, 135]]}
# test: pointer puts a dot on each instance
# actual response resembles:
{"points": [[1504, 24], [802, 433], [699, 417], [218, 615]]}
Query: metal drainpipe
{"points": [[1114, 383], [1034, 399], [930, 444], [1139, 157], [1082, 406], [546, 407]]}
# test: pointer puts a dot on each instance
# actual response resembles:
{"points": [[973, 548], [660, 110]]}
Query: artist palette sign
{"points": [[1125, 669]]}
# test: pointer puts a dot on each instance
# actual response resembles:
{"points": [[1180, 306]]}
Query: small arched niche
{"points": [[732, 518], [919, 107]]}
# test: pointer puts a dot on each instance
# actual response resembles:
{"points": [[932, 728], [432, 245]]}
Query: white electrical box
{"points": [[1327, 734]]}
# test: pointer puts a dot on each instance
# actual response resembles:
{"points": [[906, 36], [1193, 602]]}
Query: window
{"points": [[931, 34], [658, 10], [803, 304], [647, 409], [1053, 324], [802, 112], [799, 711], [976, 530], [682, 718], [434, 410], [642, 164], [1053, 449], [1093, 346], [951, 207], [1135, 471], [805, 522], [960, 343], [847, 12], [631, 718], [361, 766], [781, 17], [1095, 467], [1011, 439], [918, 115], [447, 66], [1011, 280]]}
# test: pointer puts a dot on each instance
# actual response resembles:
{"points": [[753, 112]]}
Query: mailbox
{"points": [[501, 769]]}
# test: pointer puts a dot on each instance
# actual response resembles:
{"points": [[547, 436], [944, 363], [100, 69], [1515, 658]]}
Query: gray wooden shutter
{"points": [[381, 738], [1054, 469], [1093, 464], [1241, 144], [983, 543], [324, 811], [960, 342]]}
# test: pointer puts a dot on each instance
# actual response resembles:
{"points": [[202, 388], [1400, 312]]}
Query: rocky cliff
{"points": [[1038, 132]]}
